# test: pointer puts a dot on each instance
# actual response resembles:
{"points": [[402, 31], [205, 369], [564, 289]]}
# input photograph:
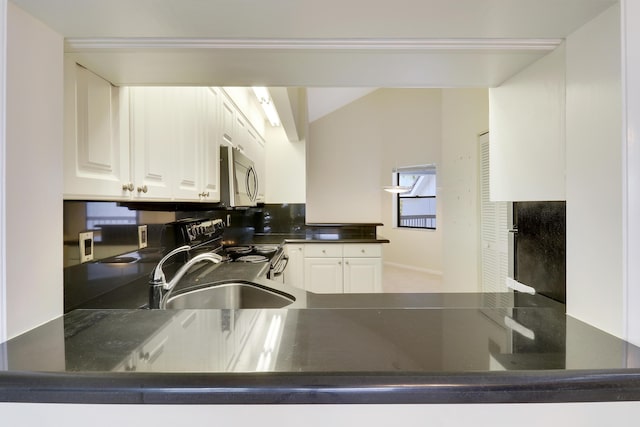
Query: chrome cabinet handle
{"points": [[128, 187], [143, 189]]}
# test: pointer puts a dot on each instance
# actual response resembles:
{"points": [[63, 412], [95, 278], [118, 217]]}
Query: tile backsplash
{"points": [[115, 227]]}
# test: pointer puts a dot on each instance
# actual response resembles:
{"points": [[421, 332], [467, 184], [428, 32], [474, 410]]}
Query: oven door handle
{"points": [[280, 266]]}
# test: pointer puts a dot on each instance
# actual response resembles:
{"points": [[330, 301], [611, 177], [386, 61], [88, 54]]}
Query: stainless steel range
{"points": [[201, 234], [273, 254], [206, 235]]}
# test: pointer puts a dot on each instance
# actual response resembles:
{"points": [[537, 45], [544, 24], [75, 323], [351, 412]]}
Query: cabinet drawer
{"points": [[363, 250], [332, 250]]}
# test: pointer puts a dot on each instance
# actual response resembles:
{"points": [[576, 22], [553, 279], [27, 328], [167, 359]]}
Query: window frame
{"points": [[399, 196]]}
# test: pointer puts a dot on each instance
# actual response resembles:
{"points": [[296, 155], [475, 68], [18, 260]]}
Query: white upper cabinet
{"points": [[154, 132], [228, 121], [96, 162], [211, 99], [197, 144], [189, 143], [149, 143], [527, 122], [174, 143]]}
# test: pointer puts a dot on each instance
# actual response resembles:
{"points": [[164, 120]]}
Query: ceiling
{"points": [[310, 43], [323, 101]]}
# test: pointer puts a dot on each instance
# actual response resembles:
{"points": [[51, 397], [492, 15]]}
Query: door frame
{"points": [[3, 145]]}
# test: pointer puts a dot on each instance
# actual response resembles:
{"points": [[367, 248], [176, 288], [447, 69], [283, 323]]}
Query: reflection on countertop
{"points": [[536, 352]]}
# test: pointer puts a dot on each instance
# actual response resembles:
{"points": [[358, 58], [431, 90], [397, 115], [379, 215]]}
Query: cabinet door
{"points": [[362, 275], [211, 101], [95, 163], [323, 275], [153, 132], [184, 111], [294, 273], [228, 119]]}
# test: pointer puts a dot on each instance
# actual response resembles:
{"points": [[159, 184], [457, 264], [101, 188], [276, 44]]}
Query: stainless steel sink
{"points": [[229, 296]]}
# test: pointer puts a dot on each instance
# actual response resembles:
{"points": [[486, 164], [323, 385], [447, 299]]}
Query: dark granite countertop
{"points": [[323, 348], [460, 350], [280, 238]]}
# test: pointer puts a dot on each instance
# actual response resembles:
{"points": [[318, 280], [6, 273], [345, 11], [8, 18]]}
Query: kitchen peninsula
{"points": [[319, 348], [448, 355], [322, 348]]}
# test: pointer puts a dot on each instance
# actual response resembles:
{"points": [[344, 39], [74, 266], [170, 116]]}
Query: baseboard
{"points": [[413, 268]]}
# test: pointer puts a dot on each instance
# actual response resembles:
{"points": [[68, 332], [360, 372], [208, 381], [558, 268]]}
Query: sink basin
{"points": [[229, 296]]}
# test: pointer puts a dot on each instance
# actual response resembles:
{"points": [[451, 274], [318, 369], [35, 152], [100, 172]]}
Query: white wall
{"points": [[594, 174], [285, 167], [351, 154], [527, 133], [33, 193], [410, 123], [344, 154], [465, 114], [592, 414]]}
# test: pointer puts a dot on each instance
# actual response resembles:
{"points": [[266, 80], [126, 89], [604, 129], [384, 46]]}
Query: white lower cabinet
{"points": [[362, 275], [335, 267], [294, 272], [323, 275]]}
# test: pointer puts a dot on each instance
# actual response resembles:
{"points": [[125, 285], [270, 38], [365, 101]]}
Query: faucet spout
{"points": [[160, 288], [206, 256]]}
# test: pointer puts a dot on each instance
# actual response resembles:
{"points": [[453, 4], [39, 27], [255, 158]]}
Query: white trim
{"points": [[410, 267], [82, 44], [630, 42], [625, 175], [3, 134]]}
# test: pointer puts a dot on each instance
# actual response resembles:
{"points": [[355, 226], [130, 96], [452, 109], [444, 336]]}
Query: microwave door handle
{"points": [[247, 185], [251, 174], [256, 182]]}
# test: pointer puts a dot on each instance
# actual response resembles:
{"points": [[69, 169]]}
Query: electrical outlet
{"points": [[142, 236], [86, 246]]}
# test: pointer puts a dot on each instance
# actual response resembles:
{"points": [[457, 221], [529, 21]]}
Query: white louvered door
{"points": [[494, 230]]}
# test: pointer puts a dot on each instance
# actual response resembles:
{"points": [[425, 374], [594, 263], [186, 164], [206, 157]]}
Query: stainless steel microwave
{"points": [[238, 179]]}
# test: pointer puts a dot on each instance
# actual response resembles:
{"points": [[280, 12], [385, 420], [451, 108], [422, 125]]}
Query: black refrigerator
{"points": [[538, 245]]}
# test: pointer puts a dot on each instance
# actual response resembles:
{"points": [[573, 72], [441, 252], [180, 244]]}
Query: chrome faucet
{"points": [[159, 288]]}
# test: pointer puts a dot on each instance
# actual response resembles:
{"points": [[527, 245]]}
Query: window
{"points": [[100, 214], [416, 208]]}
